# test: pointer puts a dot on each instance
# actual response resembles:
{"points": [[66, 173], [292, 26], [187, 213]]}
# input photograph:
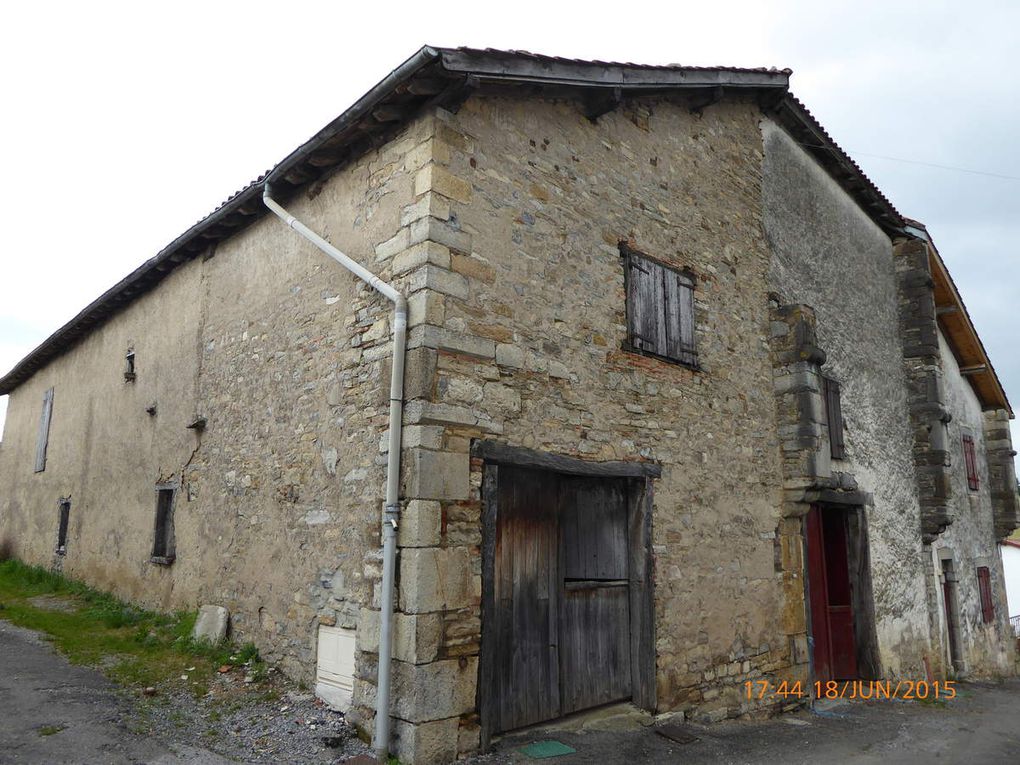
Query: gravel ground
{"points": [[52, 711], [270, 721]]}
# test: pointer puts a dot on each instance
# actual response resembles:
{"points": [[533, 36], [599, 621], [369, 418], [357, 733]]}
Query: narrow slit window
{"points": [[970, 459], [985, 587], [64, 516], [834, 418], [660, 309], [129, 365], [163, 550], [42, 443]]}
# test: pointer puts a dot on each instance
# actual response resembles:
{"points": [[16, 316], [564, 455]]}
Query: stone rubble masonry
{"points": [[828, 254], [923, 366], [287, 355], [518, 316], [1001, 473], [502, 224]]}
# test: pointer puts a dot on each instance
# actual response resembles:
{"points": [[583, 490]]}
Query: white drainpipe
{"points": [[392, 510]]}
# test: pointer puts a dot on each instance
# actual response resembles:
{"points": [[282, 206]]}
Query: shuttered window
{"points": [[44, 432], [62, 521], [660, 309], [834, 418], [163, 546], [985, 586], [970, 458]]}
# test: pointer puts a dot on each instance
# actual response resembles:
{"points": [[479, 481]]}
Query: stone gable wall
{"points": [[522, 342], [828, 255], [970, 539]]}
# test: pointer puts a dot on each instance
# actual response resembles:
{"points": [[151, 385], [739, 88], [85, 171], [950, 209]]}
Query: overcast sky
{"points": [[124, 123]]}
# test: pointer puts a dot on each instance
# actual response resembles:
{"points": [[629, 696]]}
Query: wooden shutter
{"points": [[985, 586], [644, 295], [660, 310], [834, 418], [44, 432], [970, 458], [678, 290]]}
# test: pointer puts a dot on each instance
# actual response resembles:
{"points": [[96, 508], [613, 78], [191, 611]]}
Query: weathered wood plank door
{"points": [[595, 648], [526, 585], [562, 596], [831, 595]]}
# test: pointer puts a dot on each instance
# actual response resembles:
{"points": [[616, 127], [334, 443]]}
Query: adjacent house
{"points": [[685, 403], [1010, 551]]}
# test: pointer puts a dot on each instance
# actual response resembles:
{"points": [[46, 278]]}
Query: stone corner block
{"points": [[436, 475], [436, 579], [420, 523], [416, 637], [429, 743], [436, 691]]}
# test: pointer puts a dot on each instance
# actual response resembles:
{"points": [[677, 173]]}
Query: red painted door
{"points": [[830, 593]]}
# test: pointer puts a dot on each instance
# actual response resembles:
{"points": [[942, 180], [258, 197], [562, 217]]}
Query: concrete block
{"points": [[211, 625], [436, 691], [435, 579], [430, 743], [436, 475]]}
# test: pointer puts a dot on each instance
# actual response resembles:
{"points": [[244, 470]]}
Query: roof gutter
{"points": [[392, 507]]}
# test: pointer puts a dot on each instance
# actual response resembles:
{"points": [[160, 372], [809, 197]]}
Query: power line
{"points": [[919, 162]]}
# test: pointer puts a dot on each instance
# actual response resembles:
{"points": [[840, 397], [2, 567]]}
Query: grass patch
{"points": [[50, 730], [136, 647]]}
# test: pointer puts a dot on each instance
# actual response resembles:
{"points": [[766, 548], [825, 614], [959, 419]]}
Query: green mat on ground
{"points": [[542, 749]]}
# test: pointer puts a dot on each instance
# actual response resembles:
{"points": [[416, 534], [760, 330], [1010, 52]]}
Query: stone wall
{"points": [[828, 255], [526, 203], [286, 355], [970, 540]]}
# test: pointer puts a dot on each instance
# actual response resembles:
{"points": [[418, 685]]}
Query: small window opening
{"points": [[63, 518], [660, 309], [985, 586], [43, 439], [834, 418], [970, 458], [129, 365], [163, 550]]}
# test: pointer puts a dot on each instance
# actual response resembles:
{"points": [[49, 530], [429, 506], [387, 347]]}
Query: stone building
{"points": [[686, 400]]}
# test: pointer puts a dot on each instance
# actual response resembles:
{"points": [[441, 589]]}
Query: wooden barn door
{"points": [[561, 637], [595, 600], [526, 588], [831, 595]]}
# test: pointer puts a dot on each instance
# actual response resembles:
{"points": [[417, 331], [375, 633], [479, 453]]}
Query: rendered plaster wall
{"points": [[828, 255], [970, 539], [524, 338], [287, 357]]}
